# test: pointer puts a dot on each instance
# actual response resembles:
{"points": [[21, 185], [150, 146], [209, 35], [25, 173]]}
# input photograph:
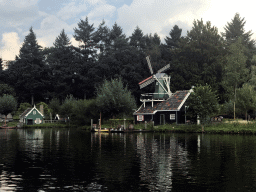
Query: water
{"points": [[76, 160]]}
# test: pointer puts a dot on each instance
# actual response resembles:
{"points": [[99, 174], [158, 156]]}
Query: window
{"points": [[38, 121], [172, 116], [34, 112], [140, 117]]}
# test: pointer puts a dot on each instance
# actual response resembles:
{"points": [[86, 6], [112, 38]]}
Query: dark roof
{"points": [[172, 104], [25, 112]]}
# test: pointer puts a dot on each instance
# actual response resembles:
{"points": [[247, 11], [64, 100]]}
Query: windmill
{"points": [[162, 84]]}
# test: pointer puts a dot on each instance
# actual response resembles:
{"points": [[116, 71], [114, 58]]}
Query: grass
{"points": [[229, 128]]}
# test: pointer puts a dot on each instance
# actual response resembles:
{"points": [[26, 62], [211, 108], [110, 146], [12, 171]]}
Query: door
{"points": [[162, 119], [30, 122]]}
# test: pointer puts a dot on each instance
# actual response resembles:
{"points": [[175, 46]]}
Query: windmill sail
{"points": [[149, 65], [146, 82], [164, 68]]}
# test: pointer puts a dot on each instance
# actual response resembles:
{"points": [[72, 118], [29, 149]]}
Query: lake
{"points": [[77, 160]]}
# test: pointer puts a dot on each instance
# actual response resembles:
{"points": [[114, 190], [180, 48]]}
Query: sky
{"points": [[49, 17]]}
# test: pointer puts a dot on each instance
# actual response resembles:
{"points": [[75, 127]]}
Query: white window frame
{"points": [[140, 117], [34, 112], [38, 121], [172, 116]]}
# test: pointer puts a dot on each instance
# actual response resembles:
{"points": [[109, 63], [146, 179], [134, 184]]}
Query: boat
{"points": [[5, 127], [101, 130]]}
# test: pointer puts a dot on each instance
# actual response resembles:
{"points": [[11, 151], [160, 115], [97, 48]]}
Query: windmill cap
{"points": [[161, 75]]}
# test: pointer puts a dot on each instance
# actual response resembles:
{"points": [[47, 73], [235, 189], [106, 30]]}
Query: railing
{"points": [[153, 96], [51, 121]]}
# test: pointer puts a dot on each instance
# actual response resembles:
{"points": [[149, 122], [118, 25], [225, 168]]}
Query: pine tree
{"points": [[235, 30], [85, 35], [30, 50], [198, 58], [102, 37], [236, 72], [1, 67], [175, 35], [29, 75], [137, 39], [84, 32], [62, 40]]}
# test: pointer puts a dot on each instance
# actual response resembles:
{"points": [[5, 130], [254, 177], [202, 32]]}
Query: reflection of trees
{"points": [[64, 160], [116, 160], [158, 155], [34, 159]]}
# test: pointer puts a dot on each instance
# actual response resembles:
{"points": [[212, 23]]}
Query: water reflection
{"points": [[75, 160]]}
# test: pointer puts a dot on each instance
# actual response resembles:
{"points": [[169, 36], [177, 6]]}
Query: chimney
{"points": [[42, 109]]}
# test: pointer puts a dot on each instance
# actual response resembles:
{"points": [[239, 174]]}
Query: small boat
{"points": [[5, 127], [101, 130]]}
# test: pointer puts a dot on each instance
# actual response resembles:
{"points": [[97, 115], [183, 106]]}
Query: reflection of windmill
{"points": [[162, 84]]}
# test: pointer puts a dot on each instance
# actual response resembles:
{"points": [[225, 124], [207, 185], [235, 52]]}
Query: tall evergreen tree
{"points": [[29, 75], [235, 30], [84, 32], [30, 50], [62, 40], [198, 58], [1, 65], [236, 72], [102, 37], [175, 35], [137, 39]]}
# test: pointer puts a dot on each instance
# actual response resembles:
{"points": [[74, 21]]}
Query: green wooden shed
{"points": [[31, 116]]}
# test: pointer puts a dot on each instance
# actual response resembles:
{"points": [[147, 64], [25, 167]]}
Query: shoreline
{"points": [[225, 127]]}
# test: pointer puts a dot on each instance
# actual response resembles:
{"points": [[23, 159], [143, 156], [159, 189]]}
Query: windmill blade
{"points": [[164, 68], [146, 82], [149, 65]]}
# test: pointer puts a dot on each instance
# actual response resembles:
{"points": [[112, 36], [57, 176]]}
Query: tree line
{"points": [[226, 62]]}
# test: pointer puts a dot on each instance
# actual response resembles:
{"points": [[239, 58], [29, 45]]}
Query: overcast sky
{"points": [[49, 17]]}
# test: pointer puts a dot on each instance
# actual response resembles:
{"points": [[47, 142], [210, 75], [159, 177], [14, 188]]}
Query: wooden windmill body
{"points": [[162, 85]]}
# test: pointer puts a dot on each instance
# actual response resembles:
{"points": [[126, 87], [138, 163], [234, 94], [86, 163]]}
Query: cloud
{"points": [[102, 11], [95, 2], [71, 10], [50, 28], [152, 16], [15, 13], [18, 3], [74, 42], [11, 46]]}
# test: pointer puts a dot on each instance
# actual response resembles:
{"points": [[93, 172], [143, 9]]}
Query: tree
{"points": [[137, 39], [236, 72], [8, 104], [1, 63], [113, 99], [84, 111], [246, 98], [66, 108], [6, 89], [199, 58], [29, 75], [203, 103], [46, 109], [175, 35], [65, 64], [85, 34], [54, 105], [62, 40], [153, 49], [102, 37], [235, 30], [23, 107]]}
